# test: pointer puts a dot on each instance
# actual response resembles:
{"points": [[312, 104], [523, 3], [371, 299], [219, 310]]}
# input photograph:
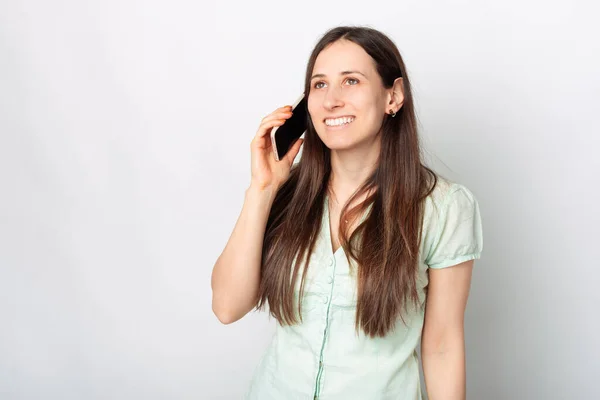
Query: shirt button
{"points": [[329, 279], [325, 299], [331, 261]]}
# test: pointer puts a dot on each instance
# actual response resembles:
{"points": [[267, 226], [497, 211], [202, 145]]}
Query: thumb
{"points": [[293, 152]]}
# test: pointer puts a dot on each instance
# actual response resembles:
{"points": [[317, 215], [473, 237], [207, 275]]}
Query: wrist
{"points": [[256, 190]]}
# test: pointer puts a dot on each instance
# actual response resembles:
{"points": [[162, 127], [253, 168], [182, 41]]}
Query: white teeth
{"points": [[339, 121]]}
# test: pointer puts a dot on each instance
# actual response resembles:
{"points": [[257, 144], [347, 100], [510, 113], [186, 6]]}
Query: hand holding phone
{"points": [[283, 137], [267, 171]]}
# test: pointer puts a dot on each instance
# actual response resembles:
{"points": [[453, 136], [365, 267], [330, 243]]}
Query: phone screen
{"points": [[287, 134]]}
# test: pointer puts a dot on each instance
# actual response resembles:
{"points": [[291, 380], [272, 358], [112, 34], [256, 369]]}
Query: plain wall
{"points": [[124, 156]]}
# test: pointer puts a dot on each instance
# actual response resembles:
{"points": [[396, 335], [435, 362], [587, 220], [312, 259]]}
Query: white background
{"points": [[124, 155]]}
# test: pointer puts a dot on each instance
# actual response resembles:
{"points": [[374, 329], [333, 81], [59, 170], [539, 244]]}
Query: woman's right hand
{"points": [[267, 173]]}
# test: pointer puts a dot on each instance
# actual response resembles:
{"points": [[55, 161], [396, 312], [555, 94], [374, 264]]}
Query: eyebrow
{"points": [[341, 73]]}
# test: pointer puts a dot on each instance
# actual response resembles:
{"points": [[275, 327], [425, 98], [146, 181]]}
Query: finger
{"points": [[270, 120], [282, 114], [261, 139], [284, 108], [266, 127], [262, 143], [294, 150]]}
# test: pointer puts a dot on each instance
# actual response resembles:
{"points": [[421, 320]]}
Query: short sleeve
{"points": [[458, 228]]}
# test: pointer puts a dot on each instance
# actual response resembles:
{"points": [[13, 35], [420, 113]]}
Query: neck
{"points": [[350, 169]]}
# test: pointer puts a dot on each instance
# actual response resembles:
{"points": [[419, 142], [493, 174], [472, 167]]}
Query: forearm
{"points": [[444, 368], [236, 274]]}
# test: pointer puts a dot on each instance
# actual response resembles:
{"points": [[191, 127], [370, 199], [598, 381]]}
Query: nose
{"points": [[333, 98]]}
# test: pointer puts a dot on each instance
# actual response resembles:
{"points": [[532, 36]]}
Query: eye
{"points": [[316, 85], [352, 82]]}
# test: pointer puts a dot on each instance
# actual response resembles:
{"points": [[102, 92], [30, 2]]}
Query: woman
{"points": [[350, 246]]}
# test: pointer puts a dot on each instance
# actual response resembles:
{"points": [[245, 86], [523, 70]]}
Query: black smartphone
{"points": [[284, 136]]}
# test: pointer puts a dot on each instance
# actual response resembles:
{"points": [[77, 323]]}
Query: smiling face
{"points": [[347, 100]]}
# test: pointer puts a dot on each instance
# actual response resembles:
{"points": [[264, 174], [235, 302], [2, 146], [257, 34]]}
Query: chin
{"points": [[340, 144]]}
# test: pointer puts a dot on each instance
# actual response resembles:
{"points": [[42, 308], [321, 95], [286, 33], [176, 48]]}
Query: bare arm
{"points": [[236, 274], [442, 342]]}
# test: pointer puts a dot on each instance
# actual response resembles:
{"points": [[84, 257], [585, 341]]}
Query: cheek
{"points": [[311, 104], [313, 110], [366, 100]]}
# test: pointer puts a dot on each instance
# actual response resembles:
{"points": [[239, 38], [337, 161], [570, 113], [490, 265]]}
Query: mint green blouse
{"points": [[323, 357]]}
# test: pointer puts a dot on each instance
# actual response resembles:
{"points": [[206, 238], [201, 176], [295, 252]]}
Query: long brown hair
{"points": [[388, 248]]}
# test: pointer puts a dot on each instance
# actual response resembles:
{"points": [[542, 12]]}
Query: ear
{"points": [[395, 96]]}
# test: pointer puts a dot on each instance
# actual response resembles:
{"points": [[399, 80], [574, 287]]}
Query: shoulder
{"points": [[435, 201], [441, 190], [452, 228], [448, 196]]}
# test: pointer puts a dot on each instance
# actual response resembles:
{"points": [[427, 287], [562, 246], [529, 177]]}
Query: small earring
{"points": [[392, 113]]}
